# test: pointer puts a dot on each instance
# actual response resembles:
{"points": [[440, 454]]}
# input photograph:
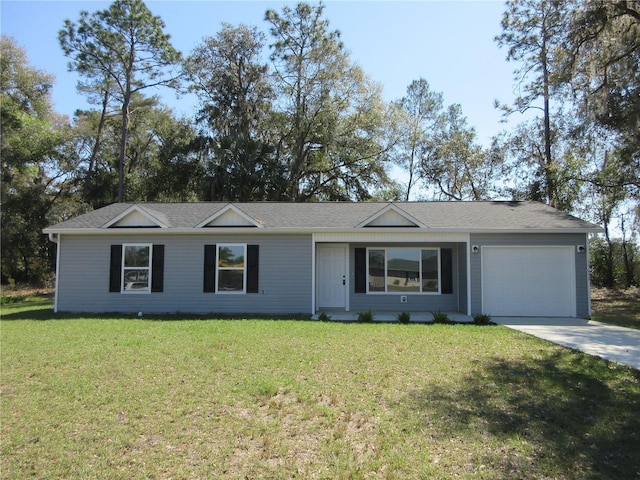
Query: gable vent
{"points": [[229, 216], [391, 216]]}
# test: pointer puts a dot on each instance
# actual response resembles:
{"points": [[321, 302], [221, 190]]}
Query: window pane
{"points": [[231, 256], [136, 279], [403, 270], [376, 270], [230, 280], [430, 270], [136, 256]]}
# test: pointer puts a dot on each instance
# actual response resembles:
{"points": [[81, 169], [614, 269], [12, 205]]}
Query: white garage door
{"points": [[528, 281]]}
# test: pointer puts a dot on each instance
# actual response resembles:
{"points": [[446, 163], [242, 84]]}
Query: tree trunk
{"points": [[96, 147], [549, 176]]}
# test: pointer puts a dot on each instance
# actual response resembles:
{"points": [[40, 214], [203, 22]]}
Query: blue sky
{"points": [[449, 43]]}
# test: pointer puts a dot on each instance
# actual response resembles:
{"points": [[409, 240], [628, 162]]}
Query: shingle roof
{"points": [[472, 216]]}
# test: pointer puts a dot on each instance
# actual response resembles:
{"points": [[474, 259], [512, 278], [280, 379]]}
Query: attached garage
{"points": [[529, 281]]}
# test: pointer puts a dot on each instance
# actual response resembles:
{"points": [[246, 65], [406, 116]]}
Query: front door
{"points": [[331, 267]]}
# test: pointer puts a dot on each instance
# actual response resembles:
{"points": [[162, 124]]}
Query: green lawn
{"points": [[142, 398]]}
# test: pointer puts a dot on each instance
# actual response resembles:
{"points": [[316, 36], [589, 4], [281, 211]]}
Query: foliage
{"points": [[366, 316], [34, 181], [404, 317], [616, 307], [602, 53], [482, 319], [614, 264], [121, 51], [305, 123], [532, 32], [329, 116], [440, 152], [441, 317]]}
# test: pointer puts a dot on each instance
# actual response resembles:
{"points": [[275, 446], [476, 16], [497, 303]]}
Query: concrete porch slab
{"points": [[416, 317]]}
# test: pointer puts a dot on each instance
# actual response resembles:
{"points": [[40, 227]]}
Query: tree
{"points": [[124, 50], [533, 32], [458, 168], [601, 61], [231, 82], [34, 179], [235, 95], [329, 116], [422, 113]]}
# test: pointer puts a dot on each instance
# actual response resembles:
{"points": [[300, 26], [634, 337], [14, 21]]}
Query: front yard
{"points": [[141, 398]]}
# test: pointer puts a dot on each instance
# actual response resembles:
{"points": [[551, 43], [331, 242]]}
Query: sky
{"points": [[448, 43]]}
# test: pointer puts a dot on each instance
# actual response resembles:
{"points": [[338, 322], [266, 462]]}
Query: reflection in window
{"points": [[430, 271], [376, 270], [231, 271], [404, 270], [136, 268]]}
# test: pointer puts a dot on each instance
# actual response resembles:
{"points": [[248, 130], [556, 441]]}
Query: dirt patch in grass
{"points": [[617, 307]]}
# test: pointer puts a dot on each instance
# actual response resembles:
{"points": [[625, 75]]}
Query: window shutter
{"points": [[209, 268], [253, 264], [446, 270], [115, 268], [361, 270], [157, 269]]}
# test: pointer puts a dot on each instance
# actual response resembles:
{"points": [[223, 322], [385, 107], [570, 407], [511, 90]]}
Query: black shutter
{"points": [[209, 268], [253, 263], [360, 270], [446, 270], [157, 269], [115, 268]]}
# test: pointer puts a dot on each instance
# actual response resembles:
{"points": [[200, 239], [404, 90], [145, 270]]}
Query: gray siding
{"points": [[390, 302], [534, 239], [284, 276]]}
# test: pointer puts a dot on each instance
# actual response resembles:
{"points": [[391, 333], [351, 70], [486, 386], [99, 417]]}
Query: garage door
{"points": [[528, 281]]}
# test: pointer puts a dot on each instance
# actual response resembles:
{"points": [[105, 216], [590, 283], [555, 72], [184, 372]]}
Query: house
{"points": [[498, 258]]}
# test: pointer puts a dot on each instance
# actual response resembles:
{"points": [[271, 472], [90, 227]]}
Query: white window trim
{"points": [[420, 249], [244, 269], [123, 267]]}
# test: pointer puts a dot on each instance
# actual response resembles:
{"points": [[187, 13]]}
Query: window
{"points": [[231, 268], [136, 268], [403, 270], [230, 260]]}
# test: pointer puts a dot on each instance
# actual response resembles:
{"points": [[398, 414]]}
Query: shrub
{"points": [[365, 317], [323, 317], [441, 317], [482, 319], [404, 317]]}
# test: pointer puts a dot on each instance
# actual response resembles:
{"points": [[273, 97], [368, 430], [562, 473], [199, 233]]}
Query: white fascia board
{"points": [[307, 231]]}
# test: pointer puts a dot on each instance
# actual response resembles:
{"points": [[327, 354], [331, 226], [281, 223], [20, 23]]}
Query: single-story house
{"points": [[499, 258]]}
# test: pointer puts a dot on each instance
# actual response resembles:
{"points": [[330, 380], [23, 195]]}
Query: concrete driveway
{"points": [[618, 344]]}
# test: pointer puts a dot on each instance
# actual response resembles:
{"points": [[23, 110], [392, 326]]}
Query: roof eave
{"points": [[309, 230]]}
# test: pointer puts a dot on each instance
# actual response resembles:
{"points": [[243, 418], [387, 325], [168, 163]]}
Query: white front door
{"points": [[331, 267]]}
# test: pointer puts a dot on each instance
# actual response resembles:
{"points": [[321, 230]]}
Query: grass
{"points": [[617, 307], [111, 397]]}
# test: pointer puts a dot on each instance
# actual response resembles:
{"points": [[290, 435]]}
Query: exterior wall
{"points": [[390, 302], [285, 274], [534, 239]]}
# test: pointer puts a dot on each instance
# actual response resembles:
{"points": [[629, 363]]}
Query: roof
{"points": [[332, 216]]}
